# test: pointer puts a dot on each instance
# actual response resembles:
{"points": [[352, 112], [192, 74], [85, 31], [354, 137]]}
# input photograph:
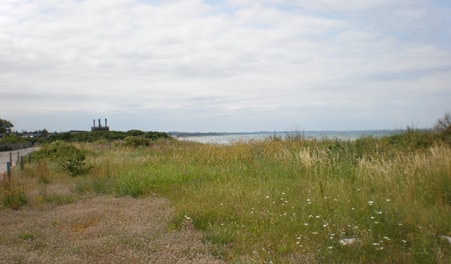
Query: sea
{"points": [[229, 138]]}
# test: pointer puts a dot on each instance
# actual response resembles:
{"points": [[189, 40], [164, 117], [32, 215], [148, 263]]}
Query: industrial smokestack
{"points": [[94, 123], [100, 125], [106, 123]]}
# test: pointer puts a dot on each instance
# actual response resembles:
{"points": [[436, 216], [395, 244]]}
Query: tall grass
{"points": [[296, 200], [299, 200]]}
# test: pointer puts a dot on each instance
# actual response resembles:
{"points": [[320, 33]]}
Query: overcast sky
{"points": [[225, 65]]}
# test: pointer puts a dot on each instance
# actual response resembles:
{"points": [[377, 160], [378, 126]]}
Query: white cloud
{"points": [[230, 59]]}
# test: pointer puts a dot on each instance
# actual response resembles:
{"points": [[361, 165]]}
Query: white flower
{"points": [[370, 202], [347, 241]]}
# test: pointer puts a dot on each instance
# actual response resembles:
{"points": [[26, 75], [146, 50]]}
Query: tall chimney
{"points": [[94, 123], [106, 123], [100, 125]]}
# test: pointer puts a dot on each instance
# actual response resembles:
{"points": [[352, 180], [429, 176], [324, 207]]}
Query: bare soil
{"points": [[102, 229]]}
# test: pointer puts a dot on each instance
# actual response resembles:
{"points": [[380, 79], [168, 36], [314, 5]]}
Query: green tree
{"points": [[5, 126]]}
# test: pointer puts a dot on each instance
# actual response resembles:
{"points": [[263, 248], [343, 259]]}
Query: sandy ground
{"points": [[103, 229], [4, 157]]}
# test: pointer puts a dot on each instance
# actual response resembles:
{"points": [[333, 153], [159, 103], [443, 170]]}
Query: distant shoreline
{"points": [[229, 137], [286, 132]]}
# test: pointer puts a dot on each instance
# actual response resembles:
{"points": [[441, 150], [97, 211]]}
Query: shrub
{"points": [[74, 162], [71, 159], [443, 127], [136, 141]]}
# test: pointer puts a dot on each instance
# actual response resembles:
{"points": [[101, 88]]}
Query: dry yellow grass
{"points": [[103, 229]]}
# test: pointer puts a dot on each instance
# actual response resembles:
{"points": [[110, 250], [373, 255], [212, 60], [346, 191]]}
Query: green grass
{"points": [[295, 200]]}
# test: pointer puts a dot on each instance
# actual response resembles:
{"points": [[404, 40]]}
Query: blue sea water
{"points": [[228, 138]]}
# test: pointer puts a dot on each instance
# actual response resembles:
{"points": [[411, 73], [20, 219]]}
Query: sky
{"points": [[225, 65]]}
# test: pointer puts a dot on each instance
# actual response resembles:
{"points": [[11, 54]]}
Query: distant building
{"points": [[100, 127]]}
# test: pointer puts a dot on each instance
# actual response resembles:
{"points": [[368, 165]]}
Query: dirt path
{"points": [[99, 230]]}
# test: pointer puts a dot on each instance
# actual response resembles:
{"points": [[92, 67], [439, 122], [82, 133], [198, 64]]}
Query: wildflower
{"points": [[352, 208], [379, 212], [404, 241], [306, 224], [331, 247], [370, 202], [310, 216], [267, 197], [314, 232], [386, 238], [347, 241], [318, 217], [388, 200]]}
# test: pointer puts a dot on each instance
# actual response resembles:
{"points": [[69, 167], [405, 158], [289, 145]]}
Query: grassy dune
{"points": [[281, 201]]}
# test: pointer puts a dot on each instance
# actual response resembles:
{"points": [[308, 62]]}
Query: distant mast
{"points": [[100, 127]]}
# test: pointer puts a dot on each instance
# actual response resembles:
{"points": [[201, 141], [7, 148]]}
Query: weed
{"points": [[12, 195]]}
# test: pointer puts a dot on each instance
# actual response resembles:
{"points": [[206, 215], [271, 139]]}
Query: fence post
{"points": [[17, 161], [10, 158], [21, 163], [8, 170]]}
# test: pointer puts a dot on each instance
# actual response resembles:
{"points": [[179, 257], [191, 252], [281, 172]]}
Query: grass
{"points": [[287, 201]]}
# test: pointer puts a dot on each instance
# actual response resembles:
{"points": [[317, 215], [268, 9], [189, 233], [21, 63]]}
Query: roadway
{"points": [[4, 157]]}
